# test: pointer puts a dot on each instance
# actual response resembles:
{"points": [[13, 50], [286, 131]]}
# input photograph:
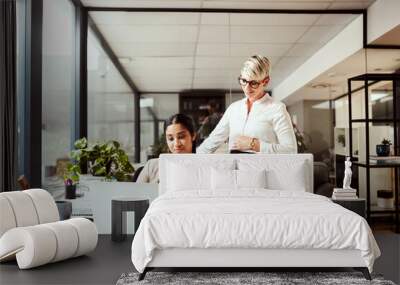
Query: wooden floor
{"points": [[111, 259]]}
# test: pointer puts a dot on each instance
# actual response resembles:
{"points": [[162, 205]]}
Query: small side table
{"points": [[119, 207], [355, 205]]}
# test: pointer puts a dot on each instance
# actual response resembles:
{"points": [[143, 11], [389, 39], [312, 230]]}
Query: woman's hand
{"points": [[246, 143]]}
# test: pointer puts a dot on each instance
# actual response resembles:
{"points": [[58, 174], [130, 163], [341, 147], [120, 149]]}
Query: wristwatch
{"points": [[253, 143]]}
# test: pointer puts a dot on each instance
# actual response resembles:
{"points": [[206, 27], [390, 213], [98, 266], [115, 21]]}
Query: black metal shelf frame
{"points": [[395, 120]]}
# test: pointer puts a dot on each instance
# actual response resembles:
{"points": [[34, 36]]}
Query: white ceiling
{"points": [[174, 51], [333, 82], [233, 4]]}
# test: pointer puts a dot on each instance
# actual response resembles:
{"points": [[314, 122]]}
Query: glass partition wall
{"points": [[58, 89], [166, 54], [110, 100]]}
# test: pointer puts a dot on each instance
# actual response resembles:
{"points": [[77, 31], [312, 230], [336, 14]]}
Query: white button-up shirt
{"points": [[267, 121]]}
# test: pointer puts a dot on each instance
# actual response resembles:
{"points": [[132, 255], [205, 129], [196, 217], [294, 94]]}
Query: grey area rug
{"points": [[229, 278]]}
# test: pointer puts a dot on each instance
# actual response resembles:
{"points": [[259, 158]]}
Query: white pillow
{"points": [[193, 176], [251, 178], [223, 179], [282, 174], [293, 179]]}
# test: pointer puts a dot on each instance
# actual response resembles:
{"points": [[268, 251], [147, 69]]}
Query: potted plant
{"points": [[383, 149], [103, 159], [341, 139], [71, 178]]}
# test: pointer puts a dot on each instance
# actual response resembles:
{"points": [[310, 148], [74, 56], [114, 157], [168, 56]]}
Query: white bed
{"points": [[247, 211]]}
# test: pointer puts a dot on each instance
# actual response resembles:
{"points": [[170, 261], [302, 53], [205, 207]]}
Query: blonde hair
{"points": [[256, 67]]}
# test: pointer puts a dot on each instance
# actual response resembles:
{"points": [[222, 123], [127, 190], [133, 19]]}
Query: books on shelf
{"points": [[344, 194], [392, 157], [384, 159]]}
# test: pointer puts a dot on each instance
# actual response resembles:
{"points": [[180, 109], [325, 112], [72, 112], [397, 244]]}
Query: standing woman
{"points": [[258, 122], [181, 138]]}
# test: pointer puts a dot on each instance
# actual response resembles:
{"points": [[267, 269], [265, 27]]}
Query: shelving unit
{"points": [[367, 81]]}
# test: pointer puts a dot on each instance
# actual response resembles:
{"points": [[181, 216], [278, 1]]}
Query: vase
{"points": [[70, 191], [382, 149]]}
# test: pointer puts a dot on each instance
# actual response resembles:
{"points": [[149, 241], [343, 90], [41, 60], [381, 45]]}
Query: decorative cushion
{"points": [[189, 176], [282, 174], [251, 179], [222, 179]]}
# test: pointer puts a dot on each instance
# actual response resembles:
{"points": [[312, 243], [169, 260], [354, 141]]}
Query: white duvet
{"points": [[255, 218]]}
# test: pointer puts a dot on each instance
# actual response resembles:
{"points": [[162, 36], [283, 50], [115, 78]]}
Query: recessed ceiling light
{"points": [[125, 59], [319, 85]]}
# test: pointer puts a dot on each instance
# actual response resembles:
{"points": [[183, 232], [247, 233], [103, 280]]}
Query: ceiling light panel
{"points": [[216, 73], [267, 34], [335, 19], [303, 49], [212, 49], [289, 63], [273, 19], [214, 19], [266, 5], [171, 76], [143, 3], [351, 4], [153, 49], [219, 62], [161, 63], [265, 49], [148, 34], [137, 18], [214, 34], [212, 84], [164, 86], [320, 34], [222, 78]]}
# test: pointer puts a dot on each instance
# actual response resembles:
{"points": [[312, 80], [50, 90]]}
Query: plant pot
{"points": [[382, 149], [64, 209], [70, 191]]}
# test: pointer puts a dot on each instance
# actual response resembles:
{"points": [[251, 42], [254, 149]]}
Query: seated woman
{"points": [[181, 138]]}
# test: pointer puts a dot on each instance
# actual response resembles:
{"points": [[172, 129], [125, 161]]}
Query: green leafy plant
{"points": [[103, 159], [71, 175], [386, 141], [342, 140]]}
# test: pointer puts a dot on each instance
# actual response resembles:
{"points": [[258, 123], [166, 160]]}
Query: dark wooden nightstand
{"points": [[355, 205], [119, 207]]}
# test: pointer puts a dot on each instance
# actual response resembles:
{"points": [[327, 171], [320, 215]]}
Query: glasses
{"points": [[253, 83]]}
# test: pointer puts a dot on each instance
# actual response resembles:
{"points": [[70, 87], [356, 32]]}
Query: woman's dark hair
{"points": [[187, 122]]}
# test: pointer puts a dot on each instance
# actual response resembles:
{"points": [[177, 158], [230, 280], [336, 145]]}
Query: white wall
{"points": [[383, 16], [345, 44]]}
